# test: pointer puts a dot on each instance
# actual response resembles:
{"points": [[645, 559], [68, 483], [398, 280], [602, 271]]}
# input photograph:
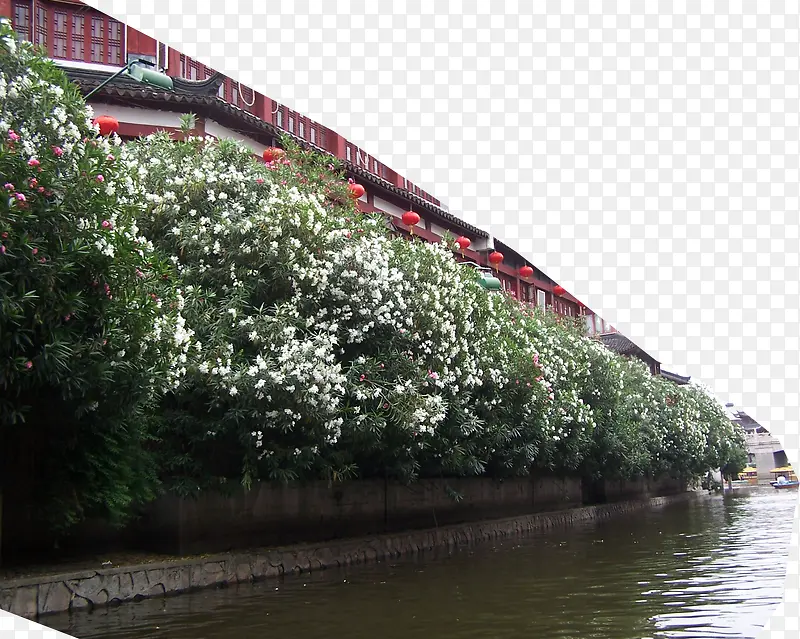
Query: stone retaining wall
{"points": [[44, 595]]}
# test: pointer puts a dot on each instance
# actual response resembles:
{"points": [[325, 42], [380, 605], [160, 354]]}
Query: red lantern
{"points": [[463, 243], [356, 190], [495, 258], [559, 290], [107, 124], [272, 153], [525, 271], [410, 219]]}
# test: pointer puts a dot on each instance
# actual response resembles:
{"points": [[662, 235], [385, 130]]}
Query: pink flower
{"points": [[33, 162], [139, 273], [35, 251], [2, 249], [66, 317], [13, 135], [8, 186], [110, 158], [32, 184], [20, 197], [42, 260], [4, 235], [433, 374], [106, 224], [40, 189], [100, 178], [260, 181], [29, 364], [58, 151], [362, 378]]}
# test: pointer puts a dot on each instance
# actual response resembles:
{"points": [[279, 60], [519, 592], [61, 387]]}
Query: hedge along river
{"points": [[695, 569]]}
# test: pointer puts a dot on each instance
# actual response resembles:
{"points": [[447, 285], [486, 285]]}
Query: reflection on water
{"points": [[697, 570]]}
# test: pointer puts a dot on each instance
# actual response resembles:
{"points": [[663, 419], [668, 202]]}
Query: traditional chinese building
{"points": [[91, 47]]}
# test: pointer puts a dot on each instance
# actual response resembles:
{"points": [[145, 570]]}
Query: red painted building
{"points": [[91, 46]]}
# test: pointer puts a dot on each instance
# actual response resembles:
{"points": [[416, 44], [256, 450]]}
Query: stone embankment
{"points": [[41, 595]]}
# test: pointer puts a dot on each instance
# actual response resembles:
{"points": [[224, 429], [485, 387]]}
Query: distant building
{"points": [[764, 450], [620, 344], [675, 378]]}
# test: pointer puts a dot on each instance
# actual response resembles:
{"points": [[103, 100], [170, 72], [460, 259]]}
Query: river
{"points": [[692, 570]]}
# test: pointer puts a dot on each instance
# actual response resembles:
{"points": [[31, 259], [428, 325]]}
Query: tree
{"points": [[87, 337]]}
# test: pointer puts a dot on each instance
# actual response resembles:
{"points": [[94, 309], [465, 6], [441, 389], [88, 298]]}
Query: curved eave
{"points": [[203, 94]]}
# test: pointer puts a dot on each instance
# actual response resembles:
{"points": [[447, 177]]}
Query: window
{"points": [[234, 93], [349, 154], [291, 124], [97, 40], [59, 34], [78, 48], [279, 118], [221, 90], [163, 59], [313, 135], [301, 129], [22, 20], [41, 27], [114, 42], [541, 298], [375, 166]]}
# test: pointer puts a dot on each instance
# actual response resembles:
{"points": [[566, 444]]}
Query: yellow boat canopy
{"points": [[749, 470], [783, 469]]}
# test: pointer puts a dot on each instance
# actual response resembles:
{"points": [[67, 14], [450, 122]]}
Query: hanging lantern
{"points": [[410, 219], [272, 153], [525, 271], [495, 258], [107, 124], [356, 190], [463, 244], [559, 290]]}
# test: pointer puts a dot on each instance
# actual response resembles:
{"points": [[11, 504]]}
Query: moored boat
{"points": [[785, 478]]}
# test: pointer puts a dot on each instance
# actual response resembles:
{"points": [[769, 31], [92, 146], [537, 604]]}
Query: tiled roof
{"points": [[618, 343], [203, 93], [673, 377]]}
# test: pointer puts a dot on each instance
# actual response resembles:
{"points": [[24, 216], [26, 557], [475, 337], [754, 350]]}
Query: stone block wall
{"points": [[37, 596]]}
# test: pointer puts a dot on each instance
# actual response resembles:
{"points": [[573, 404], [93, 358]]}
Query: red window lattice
{"points": [[22, 20], [62, 32], [78, 38]]}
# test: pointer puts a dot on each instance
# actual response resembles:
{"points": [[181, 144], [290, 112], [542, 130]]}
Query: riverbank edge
{"points": [[35, 597]]}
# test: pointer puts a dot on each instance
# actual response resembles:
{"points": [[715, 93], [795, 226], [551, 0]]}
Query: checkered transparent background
{"points": [[646, 155]]}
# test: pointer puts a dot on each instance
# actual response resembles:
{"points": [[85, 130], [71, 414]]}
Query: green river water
{"points": [[707, 568]]}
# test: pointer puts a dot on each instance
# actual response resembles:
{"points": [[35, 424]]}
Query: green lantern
{"points": [[135, 70], [151, 77], [490, 283]]}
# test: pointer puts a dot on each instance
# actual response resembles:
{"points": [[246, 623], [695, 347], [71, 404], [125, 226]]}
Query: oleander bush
{"points": [[325, 347], [181, 314], [81, 358]]}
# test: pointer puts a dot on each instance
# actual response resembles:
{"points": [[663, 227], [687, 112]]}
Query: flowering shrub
{"points": [[285, 335], [80, 352], [323, 347]]}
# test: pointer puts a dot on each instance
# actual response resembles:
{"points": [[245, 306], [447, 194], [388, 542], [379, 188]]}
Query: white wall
{"points": [[219, 132], [387, 207], [133, 115], [439, 230]]}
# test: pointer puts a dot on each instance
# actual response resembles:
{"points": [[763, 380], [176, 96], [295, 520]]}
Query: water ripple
{"points": [[714, 569]]}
